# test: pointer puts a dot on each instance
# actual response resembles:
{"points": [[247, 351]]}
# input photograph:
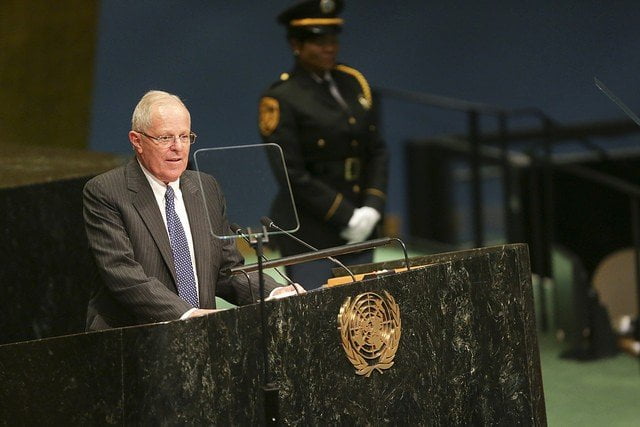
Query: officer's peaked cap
{"points": [[312, 18]]}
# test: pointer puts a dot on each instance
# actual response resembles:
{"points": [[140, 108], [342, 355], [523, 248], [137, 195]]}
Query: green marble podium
{"points": [[467, 354]]}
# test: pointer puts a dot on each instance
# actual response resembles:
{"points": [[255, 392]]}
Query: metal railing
{"points": [[550, 133]]}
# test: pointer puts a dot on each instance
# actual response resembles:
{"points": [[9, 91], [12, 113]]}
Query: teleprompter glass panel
{"points": [[255, 184]]}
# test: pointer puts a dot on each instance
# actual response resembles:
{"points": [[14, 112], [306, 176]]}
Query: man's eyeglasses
{"points": [[166, 140]]}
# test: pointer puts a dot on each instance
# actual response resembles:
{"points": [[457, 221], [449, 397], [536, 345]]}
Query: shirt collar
{"points": [[319, 79], [156, 184]]}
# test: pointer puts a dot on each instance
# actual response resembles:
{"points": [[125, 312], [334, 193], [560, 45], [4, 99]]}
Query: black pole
{"points": [[263, 315], [476, 179], [270, 390], [546, 224], [635, 230], [509, 215], [547, 194], [535, 226]]}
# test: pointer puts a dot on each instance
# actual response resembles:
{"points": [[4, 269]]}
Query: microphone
{"points": [[267, 222], [238, 230]]}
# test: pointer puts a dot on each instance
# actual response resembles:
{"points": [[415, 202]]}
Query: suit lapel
{"points": [[147, 206], [200, 233]]}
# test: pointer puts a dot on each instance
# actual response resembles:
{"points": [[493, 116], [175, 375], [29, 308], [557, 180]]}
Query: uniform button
{"points": [[356, 188], [321, 143], [354, 143], [352, 120], [284, 76]]}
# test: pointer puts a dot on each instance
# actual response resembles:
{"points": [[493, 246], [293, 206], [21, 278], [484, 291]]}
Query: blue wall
{"points": [[220, 55]]}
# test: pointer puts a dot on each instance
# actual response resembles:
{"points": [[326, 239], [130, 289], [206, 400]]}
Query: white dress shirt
{"points": [[159, 191]]}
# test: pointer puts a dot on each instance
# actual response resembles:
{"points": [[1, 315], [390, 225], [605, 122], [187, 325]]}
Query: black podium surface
{"points": [[465, 354], [47, 270]]}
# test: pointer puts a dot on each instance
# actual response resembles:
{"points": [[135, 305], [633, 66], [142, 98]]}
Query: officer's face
{"points": [[165, 163], [318, 54]]}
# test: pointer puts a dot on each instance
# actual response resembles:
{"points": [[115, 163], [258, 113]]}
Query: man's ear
{"points": [[136, 142]]}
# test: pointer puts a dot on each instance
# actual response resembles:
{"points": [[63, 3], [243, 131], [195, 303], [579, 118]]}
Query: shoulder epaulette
{"points": [[283, 78], [366, 90]]}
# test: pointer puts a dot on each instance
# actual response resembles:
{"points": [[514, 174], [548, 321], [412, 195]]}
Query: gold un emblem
{"points": [[370, 331]]}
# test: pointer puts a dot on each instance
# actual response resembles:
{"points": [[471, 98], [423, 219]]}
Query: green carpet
{"points": [[603, 392]]}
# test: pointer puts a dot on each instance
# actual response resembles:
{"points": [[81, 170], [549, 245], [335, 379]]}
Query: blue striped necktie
{"points": [[180, 249]]}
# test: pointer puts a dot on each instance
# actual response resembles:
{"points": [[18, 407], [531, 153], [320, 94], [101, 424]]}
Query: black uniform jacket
{"points": [[335, 158]]}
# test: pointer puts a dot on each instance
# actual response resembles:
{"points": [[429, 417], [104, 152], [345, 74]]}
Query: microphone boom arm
{"points": [[322, 253]]}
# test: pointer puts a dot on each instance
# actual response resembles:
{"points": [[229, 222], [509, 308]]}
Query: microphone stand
{"points": [[270, 390], [267, 222], [238, 230], [324, 253]]}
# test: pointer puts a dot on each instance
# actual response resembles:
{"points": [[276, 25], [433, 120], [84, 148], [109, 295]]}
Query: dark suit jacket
{"points": [[131, 247]]}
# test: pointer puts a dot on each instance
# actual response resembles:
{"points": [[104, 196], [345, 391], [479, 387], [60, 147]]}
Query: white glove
{"points": [[361, 224]]}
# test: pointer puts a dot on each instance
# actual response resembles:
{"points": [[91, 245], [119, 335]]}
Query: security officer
{"points": [[321, 115]]}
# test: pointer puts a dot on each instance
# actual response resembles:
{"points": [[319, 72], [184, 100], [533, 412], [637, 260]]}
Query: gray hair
{"points": [[141, 118]]}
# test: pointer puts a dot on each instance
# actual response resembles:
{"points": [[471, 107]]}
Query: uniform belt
{"points": [[349, 168]]}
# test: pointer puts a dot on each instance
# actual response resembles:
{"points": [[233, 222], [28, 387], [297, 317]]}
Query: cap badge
{"points": [[327, 6]]}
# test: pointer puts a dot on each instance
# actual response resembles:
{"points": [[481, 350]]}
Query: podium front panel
{"points": [[467, 354]]}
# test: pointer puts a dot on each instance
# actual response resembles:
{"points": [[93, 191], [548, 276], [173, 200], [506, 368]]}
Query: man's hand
{"points": [[286, 291], [198, 312]]}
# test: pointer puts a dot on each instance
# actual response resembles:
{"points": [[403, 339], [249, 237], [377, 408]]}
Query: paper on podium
{"points": [[343, 280]]}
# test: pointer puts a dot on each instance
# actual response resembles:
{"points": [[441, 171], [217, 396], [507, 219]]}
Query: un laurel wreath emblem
{"points": [[370, 331]]}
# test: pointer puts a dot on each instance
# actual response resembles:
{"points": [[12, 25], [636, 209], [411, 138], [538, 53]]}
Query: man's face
{"points": [[165, 163], [318, 54]]}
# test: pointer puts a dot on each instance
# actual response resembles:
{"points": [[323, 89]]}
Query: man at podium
{"points": [[147, 227]]}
